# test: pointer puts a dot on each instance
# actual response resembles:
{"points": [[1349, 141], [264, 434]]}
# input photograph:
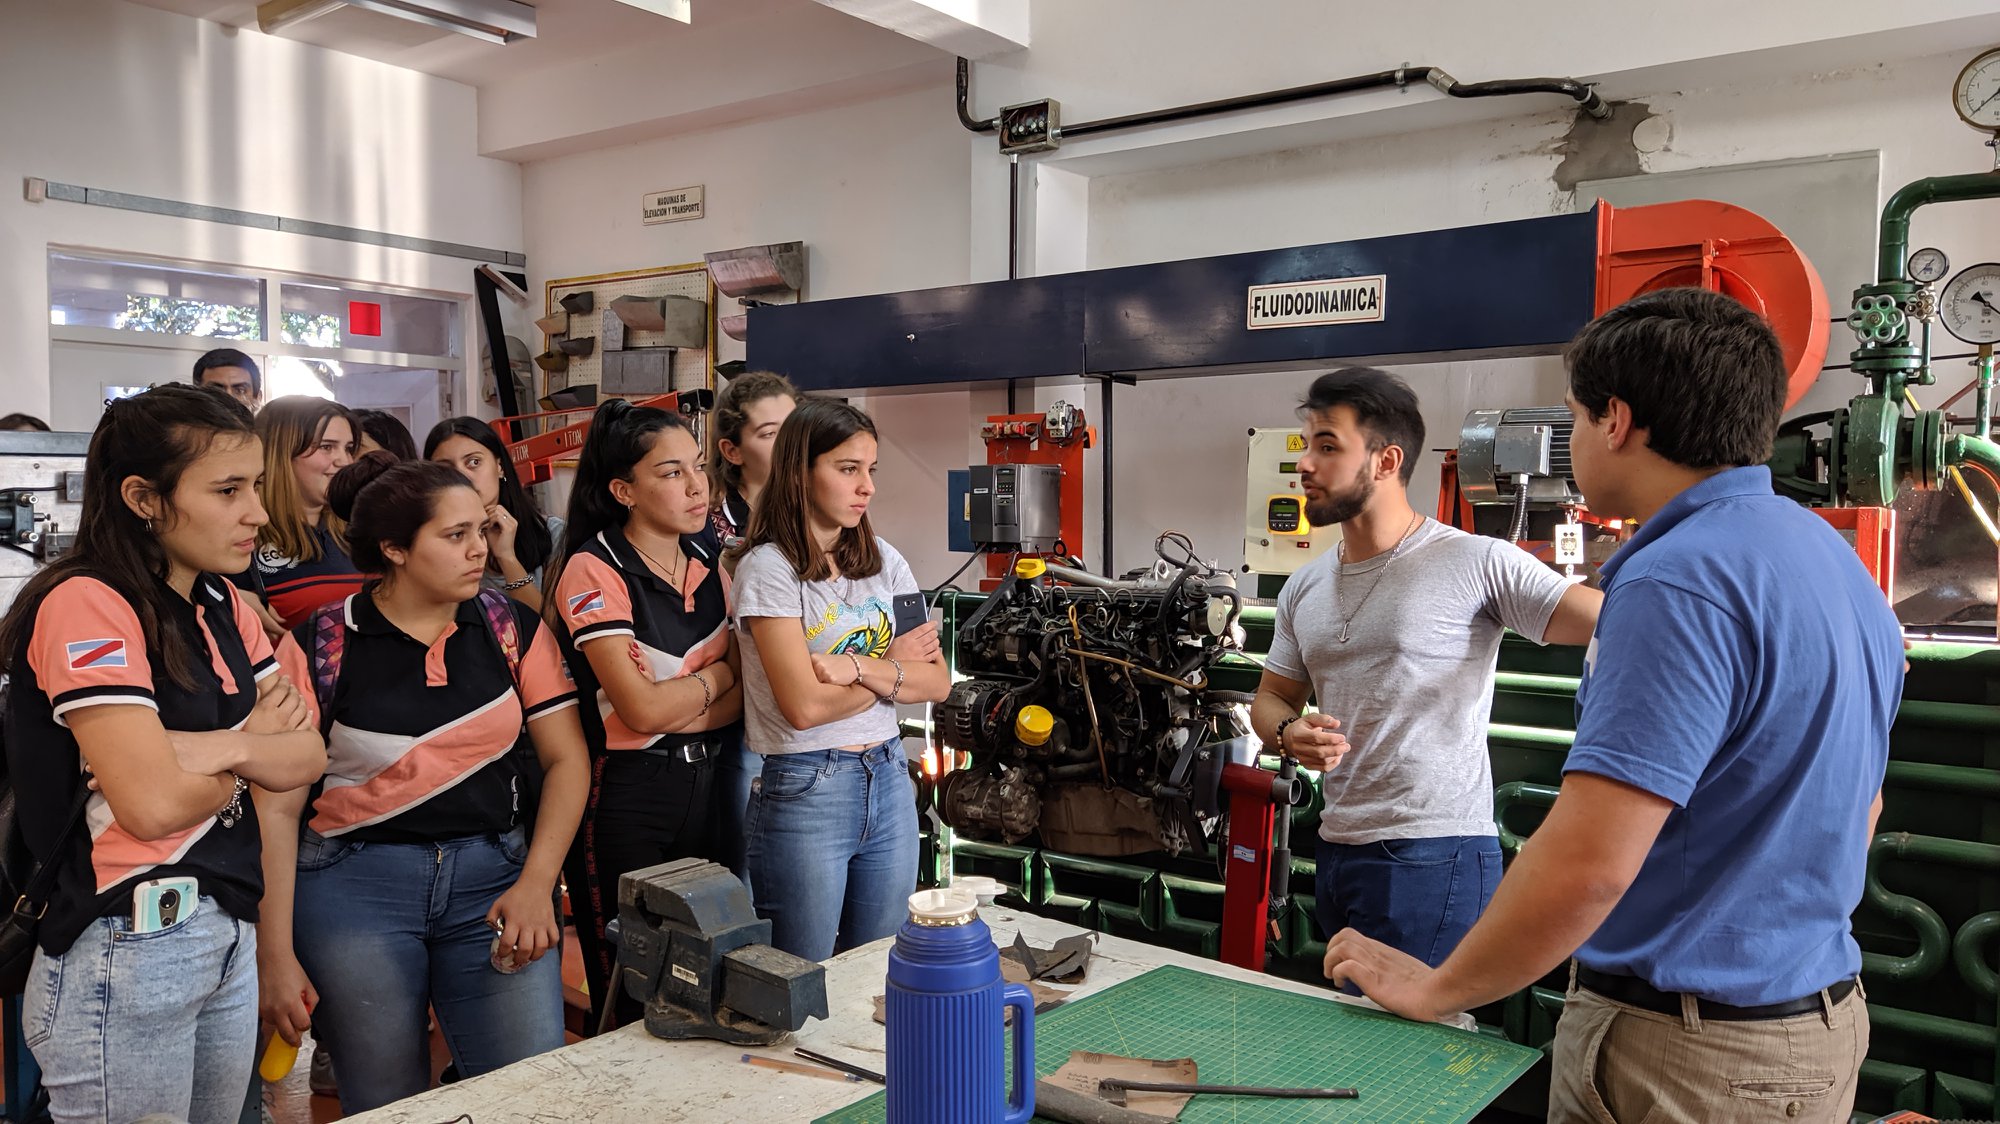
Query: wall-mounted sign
{"points": [[1299, 304], [678, 204]]}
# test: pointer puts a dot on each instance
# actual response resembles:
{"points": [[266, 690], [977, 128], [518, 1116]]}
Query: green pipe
{"points": [[1525, 683], [1519, 792], [1968, 952], [1954, 1033], [1530, 737], [1933, 940], [1895, 245], [1975, 451], [1949, 716], [1984, 399], [1958, 779]]}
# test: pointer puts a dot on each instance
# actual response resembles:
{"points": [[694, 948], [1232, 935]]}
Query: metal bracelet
{"points": [[898, 688], [521, 584], [707, 693], [233, 811]]}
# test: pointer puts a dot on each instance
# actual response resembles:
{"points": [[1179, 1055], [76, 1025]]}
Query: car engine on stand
{"points": [[1086, 705]]}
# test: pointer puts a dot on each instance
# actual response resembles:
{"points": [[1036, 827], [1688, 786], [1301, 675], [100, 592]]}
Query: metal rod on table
{"points": [[1119, 1085]]}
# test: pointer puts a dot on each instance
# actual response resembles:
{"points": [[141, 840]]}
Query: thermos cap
{"points": [[942, 908], [980, 886]]}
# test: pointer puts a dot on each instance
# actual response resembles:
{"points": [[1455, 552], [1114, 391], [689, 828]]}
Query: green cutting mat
{"points": [[1247, 1034]]}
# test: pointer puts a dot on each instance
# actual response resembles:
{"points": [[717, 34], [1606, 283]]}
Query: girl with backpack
{"points": [[645, 610], [145, 701], [833, 816], [405, 881]]}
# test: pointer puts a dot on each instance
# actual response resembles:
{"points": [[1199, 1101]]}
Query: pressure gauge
{"points": [[1928, 265], [1970, 305], [1976, 94]]}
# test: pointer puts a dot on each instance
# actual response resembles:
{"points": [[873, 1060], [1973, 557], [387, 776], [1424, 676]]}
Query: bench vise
{"points": [[691, 949]]}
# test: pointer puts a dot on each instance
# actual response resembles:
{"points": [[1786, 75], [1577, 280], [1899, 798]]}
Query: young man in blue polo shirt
{"points": [[1732, 731]]}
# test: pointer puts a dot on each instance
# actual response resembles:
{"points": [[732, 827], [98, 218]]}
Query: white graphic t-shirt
{"points": [[839, 616]]}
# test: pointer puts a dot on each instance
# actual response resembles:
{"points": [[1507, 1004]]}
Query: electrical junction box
{"points": [[1017, 507], [1277, 536], [1033, 126]]}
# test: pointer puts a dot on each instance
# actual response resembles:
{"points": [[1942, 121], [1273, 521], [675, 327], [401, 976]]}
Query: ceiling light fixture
{"points": [[682, 10], [495, 21]]}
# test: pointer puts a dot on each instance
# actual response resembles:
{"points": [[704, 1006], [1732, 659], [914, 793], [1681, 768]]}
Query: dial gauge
{"points": [[1970, 305], [1976, 93], [1928, 265]]}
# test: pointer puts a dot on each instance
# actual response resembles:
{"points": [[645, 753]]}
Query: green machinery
{"points": [[1874, 446], [1931, 913]]}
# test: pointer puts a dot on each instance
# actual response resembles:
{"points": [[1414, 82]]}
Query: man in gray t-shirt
{"points": [[1395, 637]]}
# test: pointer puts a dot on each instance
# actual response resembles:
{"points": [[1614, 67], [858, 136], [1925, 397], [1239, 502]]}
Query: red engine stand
{"points": [[1255, 797]]}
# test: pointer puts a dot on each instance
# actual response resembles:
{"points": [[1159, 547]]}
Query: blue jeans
{"points": [[735, 772], [833, 847], [125, 1024], [1420, 896], [385, 930]]}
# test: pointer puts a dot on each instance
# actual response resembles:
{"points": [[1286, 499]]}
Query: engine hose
{"points": [[1518, 529]]}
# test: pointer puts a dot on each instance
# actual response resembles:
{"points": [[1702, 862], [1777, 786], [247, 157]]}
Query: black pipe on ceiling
{"points": [[1582, 93]]}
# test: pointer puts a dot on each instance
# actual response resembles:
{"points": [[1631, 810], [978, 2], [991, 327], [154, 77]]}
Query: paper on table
{"points": [[1084, 1070]]}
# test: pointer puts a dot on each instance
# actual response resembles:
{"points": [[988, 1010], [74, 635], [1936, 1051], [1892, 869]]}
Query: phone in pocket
{"points": [[910, 611], [160, 903]]}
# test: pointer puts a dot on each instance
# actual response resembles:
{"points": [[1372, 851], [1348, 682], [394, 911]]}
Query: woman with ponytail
{"points": [[406, 881], [145, 703], [833, 820], [645, 613]]}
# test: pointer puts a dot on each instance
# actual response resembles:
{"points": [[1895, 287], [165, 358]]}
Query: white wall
{"points": [[1191, 431], [1373, 164], [115, 96]]}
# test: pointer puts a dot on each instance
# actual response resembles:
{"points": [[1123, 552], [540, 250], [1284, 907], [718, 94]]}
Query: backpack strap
{"points": [[505, 626], [329, 643]]}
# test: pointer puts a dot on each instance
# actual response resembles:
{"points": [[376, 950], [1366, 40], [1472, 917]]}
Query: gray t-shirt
{"points": [[843, 615], [1413, 686]]}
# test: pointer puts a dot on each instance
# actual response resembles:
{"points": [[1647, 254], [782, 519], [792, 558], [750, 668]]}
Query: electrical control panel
{"points": [[1016, 507], [1278, 538]]}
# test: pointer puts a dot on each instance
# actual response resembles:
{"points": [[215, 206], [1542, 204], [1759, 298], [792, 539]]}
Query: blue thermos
{"points": [[943, 1006]]}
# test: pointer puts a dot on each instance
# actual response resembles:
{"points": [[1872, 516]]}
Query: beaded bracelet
{"points": [[856, 661], [521, 584], [707, 693]]}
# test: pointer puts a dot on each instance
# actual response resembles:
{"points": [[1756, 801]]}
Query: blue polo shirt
{"points": [[1746, 668]]}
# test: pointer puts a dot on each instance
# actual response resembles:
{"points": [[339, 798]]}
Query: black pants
{"points": [[645, 808]]}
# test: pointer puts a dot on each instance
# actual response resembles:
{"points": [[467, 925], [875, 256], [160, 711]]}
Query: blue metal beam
{"points": [[1509, 288]]}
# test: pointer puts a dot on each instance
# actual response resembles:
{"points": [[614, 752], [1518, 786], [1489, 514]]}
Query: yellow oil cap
{"points": [[1033, 724], [1028, 568]]}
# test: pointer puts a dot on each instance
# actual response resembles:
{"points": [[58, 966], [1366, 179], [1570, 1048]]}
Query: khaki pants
{"points": [[1616, 1064]]}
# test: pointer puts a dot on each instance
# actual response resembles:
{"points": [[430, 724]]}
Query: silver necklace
{"points": [[1340, 553]]}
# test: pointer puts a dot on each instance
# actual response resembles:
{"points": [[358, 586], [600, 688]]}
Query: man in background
{"points": [[232, 372]]}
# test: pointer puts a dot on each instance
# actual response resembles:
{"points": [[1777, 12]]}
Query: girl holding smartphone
{"points": [[833, 818]]}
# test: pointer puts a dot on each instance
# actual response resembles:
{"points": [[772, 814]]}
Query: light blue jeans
{"points": [[736, 771], [386, 930], [833, 847], [126, 1024]]}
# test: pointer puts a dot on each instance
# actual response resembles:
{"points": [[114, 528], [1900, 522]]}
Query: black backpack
{"points": [[23, 882]]}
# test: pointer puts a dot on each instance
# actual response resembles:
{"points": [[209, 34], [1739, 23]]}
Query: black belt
{"points": [[691, 749], [1635, 992]]}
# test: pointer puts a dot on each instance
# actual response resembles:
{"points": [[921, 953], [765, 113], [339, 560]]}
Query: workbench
{"points": [[628, 1075]]}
